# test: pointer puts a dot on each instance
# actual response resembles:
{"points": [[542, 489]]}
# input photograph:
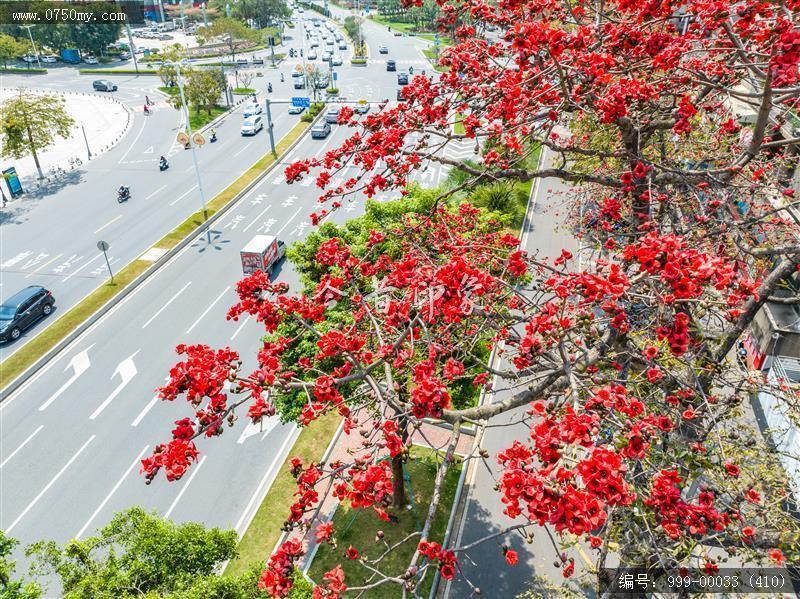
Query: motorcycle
{"points": [[213, 138], [123, 195], [163, 165]]}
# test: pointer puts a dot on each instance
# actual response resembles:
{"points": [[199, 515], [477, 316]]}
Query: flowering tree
{"points": [[621, 362]]}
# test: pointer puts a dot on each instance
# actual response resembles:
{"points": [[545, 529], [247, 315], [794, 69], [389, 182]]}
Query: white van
{"points": [[252, 125]]}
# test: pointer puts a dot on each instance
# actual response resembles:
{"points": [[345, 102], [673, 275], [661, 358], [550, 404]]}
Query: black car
{"points": [[22, 310], [391, 65], [103, 85], [402, 79]]}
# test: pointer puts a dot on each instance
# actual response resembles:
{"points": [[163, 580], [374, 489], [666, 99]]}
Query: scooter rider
{"points": [[162, 162], [213, 135], [269, 88]]}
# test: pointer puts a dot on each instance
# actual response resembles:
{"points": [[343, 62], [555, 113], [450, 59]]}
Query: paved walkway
{"points": [[344, 449], [104, 119]]}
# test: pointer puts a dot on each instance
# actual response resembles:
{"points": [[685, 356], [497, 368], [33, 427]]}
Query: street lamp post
{"points": [[177, 66], [35, 53], [269, 129], [86, 140], [132, 47]]}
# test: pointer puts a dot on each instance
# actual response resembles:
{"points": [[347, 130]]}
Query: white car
{"points": [[29, 59], [251, 109], [312, 55], [252, 125], [336, 61], [49, 58], [90, 60]]}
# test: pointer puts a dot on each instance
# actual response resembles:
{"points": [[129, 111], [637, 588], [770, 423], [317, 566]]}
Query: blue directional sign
{"points": [[300, 101], [334, 75]]}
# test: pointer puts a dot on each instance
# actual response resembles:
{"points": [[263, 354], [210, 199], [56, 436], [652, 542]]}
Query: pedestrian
{"points": [[147, 100]]}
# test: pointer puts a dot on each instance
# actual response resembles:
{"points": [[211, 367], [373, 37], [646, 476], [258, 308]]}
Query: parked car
{"points": [[332, 116], [22, 310], [165, 37], [29, 58], [50, 58], [391, 65], [320, 130], [90, 60], [251, 109], [296, 109], [124, 55], [402, 79], [252, 125], [104, 85], [383, 50], [362, 108]]}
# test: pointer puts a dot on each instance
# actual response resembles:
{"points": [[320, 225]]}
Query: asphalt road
{"points": [[484, 565], [72, 437], [49, 237]]}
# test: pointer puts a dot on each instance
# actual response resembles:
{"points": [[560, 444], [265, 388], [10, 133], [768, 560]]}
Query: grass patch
{"points": [[408, 29], [13, 366], [358, 528], [198, 120], [118, 71], [23, 70], [244, 90], [170, 91], [432, 56], [265, 529], [458, 125], [358, 61]]}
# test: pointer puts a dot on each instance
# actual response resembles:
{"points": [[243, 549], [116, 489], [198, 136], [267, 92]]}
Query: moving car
{"points": [[322, 83], [361, 108], [300, 82], [336, 61], [296, 109], [22, 310], [332, 116], [315, 43], [342, 45], [251, 109], [252, 125], [402, 79], [383, 50], [320, 130], [391, 65], [312, 55], [401, 97], [104, 85]]}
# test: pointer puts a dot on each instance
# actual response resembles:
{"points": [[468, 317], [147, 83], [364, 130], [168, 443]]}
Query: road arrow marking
{"points": [[79, 363], [255, 429], [127, 370]]}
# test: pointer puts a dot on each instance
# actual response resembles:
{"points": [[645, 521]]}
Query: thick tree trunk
{"points": [[399, 498]]}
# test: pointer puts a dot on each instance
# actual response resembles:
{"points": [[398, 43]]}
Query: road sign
{"points": [[198, 139], [103, 246], [301, 101], [183, 138], [334, 75]]}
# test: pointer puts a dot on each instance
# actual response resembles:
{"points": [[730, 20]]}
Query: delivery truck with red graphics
{"points": [[262, 252]]}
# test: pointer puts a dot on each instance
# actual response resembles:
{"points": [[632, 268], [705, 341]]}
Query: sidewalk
{"points": [[344, 447], [104, 119]]}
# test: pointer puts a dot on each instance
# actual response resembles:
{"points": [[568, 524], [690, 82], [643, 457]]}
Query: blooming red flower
{"points": [[511, 557]]}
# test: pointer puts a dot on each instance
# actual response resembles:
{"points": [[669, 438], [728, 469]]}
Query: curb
{"points": [[23, 378]]}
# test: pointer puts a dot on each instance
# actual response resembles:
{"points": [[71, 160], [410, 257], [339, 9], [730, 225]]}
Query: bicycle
{"points": [[75, 162]]}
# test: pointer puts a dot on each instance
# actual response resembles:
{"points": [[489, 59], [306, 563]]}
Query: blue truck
{"points": [[71, 55]]}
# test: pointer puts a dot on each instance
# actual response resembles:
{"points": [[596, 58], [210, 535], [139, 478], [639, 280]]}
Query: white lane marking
{"points": [[126, 370], [288, 221], [241, 326], [80, 268], [110, 493], [155, 192], [255, 220], [116, 218], [267, 475], [133, 143], [33, 272], [243, 149], [252, 430], [48, 485], [207, 310], [164, 307], [191, 168], [186, 193], [144, 412], [79, 363], [23, 444], [186, 486]]}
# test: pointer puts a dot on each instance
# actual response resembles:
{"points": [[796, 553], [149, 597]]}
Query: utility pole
{"points": [[86, 140], [132, 48], [205, 16], [269, 129], [177, 66], [35, 53]]}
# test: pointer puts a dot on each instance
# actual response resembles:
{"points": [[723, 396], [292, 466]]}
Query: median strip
{"points": [[25, 362]]}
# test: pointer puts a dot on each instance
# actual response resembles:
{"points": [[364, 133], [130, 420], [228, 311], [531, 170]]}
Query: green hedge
{"points": [[312, 111], [116, 72], [22, 71], [358, 61]]}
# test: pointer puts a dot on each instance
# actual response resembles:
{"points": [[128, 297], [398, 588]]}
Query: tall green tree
{"points": [[203, 89], [11, 588], [30, 123], [260, 12], [168, 73], [11, 48], [230, 31], [136, 554]]}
